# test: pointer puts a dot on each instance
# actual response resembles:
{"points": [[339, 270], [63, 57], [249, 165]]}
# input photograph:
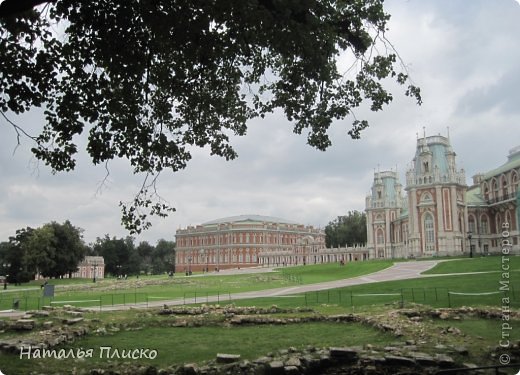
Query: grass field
{"points": [[194, 345], [480, 264], [107, 292], [177, 345], [435, 290], [328, 272], [445, 285], [188, 345], [445, 291]]}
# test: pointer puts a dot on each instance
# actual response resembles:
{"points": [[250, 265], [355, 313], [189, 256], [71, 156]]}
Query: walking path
{"points": [[399, 271]]}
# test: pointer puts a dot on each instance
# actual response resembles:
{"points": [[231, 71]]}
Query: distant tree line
{"points": [[123, 257], [347, 230], [55, 250]]}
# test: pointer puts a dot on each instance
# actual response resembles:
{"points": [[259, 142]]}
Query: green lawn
{"points": [[329, 272], [437, 291], [433, 290], [182, 345], [111, 291], [187, 345], [481, 264]]}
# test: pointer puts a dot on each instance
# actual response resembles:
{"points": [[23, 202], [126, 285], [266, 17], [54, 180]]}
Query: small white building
{"points": [[91, 267]]}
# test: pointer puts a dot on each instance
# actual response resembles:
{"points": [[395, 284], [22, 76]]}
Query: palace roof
{"points": [[513, 161], [249, 218]]}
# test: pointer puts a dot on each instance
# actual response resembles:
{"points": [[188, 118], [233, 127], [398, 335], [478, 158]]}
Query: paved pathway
{"points": [[399, 271]]}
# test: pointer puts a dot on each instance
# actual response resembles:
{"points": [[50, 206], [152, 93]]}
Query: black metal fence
{"points": [[437, 297]]}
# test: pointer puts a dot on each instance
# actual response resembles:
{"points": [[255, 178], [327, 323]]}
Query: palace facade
{"points": [[438, 213], [435, 214], [246, 241]]}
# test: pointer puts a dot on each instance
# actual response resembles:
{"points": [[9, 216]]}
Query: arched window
{"points": [[484, 221], [486, 193], [508, 218], [471, 224], [426, 167], [504, 187], [380, 236], [514, 182], [495, 188], [429, 232]]}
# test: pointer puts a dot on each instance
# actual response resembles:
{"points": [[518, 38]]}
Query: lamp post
{"points": [[205, 253], [94, 267], [470, 234], [189, 265], [202, 253], [6, 266]]}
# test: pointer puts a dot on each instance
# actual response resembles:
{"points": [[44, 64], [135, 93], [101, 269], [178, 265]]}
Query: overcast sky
{"points": [[465, 56]]}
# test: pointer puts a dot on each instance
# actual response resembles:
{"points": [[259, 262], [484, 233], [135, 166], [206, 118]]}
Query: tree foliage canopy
{"points": [[123, 257], [119, 254], [52, 250], [55, 250], [347, 230], [148, 80]]}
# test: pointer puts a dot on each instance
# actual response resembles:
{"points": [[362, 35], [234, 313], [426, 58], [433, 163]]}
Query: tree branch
{"points": [[13, 7]]}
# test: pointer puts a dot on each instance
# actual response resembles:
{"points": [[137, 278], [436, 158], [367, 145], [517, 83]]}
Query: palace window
{"points": [[471, 224], [504, 187], [508, 218], [495, 189], [429, 232], [484, 224], [486, 193], [380, 236]]}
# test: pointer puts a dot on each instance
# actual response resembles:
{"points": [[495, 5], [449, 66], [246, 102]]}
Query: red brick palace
{"points": [[246, 241]]}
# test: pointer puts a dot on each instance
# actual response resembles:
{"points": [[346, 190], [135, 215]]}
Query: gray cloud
{"points": [[501, 95]]}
